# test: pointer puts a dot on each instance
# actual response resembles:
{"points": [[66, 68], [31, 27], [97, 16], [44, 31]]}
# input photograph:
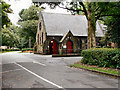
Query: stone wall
{"points": [[41, 35]]}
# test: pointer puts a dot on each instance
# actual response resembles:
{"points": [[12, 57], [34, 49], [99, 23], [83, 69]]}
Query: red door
{"points": [[69, 47], [54, 47]]}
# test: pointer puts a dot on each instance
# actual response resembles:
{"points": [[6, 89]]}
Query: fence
{"points": [[64, 51]]}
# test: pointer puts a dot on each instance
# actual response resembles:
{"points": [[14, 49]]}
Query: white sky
{"points": [[18, 5]]}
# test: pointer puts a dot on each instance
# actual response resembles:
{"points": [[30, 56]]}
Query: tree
{"points": [[10, 36], [113, 30], [28, 23], [28, 29], [93, 12], [5, 10], [4, 20]]}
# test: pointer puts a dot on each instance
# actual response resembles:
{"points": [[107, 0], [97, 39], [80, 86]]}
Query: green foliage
{"points": [[5, 10], [101, 9], [113, 30], [96, 11], [112, 21], [14, 36], [99, 69], [108, 9], [28, 23], [102, 57], [22, 42], [10, 36], [27, 49], [30, 14], [16, 49], [28, 28]]}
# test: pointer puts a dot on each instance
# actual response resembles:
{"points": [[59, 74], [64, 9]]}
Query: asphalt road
{"points": [[42, 71]]}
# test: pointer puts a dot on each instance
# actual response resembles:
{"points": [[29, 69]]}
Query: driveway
{"points": [[27, 70]]}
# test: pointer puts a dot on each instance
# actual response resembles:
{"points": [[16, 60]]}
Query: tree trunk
{"points": [[91, 41], [117, 45]]}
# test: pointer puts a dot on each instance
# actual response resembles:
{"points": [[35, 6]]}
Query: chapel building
{"points": [[63, 33]]}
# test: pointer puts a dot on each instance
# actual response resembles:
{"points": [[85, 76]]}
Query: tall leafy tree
{"points": [[4, 20], [4, 15], [95, 11], [10, 36], [113, 30], [28, 22]]}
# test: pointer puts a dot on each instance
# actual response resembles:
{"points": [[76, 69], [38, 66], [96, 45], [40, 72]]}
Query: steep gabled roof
{"points": [[63, 38], [59, 24]]}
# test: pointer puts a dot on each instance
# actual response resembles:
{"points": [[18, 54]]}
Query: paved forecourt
{"points": [[25, 70]]}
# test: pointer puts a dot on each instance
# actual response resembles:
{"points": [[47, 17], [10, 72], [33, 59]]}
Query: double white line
{"points": [[39, 63], [38, 76]]}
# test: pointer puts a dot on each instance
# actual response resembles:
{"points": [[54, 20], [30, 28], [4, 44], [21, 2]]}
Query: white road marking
{"points": [[11, 71], [67, 57], [38, 76], [39, 63], [56, 58]]}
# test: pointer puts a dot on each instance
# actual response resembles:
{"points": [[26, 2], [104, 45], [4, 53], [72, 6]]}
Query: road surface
{"points": [[27, 70]]}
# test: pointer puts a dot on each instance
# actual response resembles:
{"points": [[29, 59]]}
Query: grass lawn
{"points": [[95, 68]]}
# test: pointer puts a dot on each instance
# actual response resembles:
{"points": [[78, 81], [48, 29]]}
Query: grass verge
{"points": [[97, 69], [25, 52], [7, 51]]}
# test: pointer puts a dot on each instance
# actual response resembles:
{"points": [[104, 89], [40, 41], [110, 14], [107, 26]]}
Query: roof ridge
{"points": [[59, 23], [61, 13]]}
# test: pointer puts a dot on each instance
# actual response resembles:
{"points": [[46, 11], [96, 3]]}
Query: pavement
{"points": [[28, 70]]}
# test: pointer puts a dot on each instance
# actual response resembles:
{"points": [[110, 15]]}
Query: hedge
{"points": [[27, 49], [102, 57]]}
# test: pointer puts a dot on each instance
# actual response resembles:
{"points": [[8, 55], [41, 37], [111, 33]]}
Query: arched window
{"points": [[40, 26], [42, 37], [86, 44], [80, 44], [38, 38]]}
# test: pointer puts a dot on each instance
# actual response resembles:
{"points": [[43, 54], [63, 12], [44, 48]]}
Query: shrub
{"points": [[27, 49], [102, 57], [16, 49]]}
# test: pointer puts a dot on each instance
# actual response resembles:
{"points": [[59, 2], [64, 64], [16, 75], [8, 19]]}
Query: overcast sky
{"points": [[18, 5]]}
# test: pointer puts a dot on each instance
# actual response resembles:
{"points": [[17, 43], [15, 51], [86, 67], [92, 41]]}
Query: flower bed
{"points": [[27, 50]]}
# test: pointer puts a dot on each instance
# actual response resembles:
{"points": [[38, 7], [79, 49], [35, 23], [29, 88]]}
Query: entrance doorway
{"points": [[53, 47], [69, 46]]}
